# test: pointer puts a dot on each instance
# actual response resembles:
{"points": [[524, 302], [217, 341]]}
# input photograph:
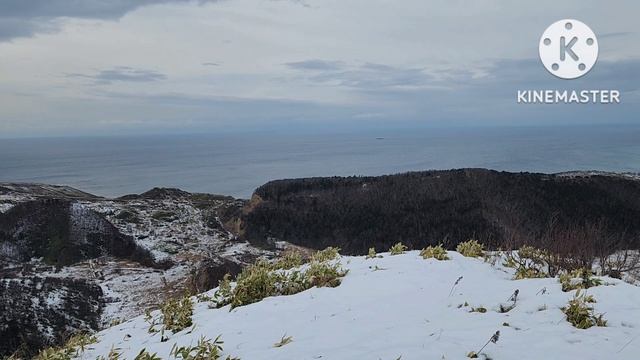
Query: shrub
{"points": [[327, 254], [580, 314], [471, 248], [434, 252], [324, 275], [145, 355], [176, 314], [528, 261], [260, 280], [398, 249], [283, 341], [372, 254], [113, 355], [578, 279], [74, 346], [204, 350], [289, 260]]}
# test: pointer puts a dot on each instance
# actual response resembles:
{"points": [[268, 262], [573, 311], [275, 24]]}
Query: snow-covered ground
{"points": [[403, 307]]}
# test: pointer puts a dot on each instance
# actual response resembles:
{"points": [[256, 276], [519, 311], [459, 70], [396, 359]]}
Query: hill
{"points": [[402, 307], [501, 209]]}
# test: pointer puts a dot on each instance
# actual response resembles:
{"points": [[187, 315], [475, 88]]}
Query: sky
{"points": [[96, 67]]}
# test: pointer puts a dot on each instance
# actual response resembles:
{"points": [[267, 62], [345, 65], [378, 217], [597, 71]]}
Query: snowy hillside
{"points": [[404, 307]]}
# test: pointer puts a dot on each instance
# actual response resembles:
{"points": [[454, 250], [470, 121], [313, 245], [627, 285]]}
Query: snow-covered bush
{"points": [[580, 314], [262, 280], [324, 275], [398, 249], [434, 252], [470, 248]]}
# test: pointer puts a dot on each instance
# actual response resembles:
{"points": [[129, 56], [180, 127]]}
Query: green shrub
{"points": [[327, 254], [471, 248], [528, 261], [434, 252], [324, 275], [113, 355], [204, 350], [372, 254], [145, 355], [288, 260], [74, 346], [578, 279], [260, 280], [479, 309], [398, 249], [580, 314], [176, 314]]}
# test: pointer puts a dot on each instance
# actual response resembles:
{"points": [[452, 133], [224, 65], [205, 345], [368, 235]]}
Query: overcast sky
{"points": [[70, 67]]}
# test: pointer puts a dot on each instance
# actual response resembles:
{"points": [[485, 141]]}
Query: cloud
{"points": [[122, 74], [315, 64], [24, 18]]}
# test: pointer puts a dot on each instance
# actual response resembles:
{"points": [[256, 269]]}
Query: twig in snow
{"points": [[627, 344], [514, 296], [542, 291], [454, 285], [494, 339]]}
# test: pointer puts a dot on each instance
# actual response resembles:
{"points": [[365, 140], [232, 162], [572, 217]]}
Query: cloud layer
{"points": [[176, 65]]}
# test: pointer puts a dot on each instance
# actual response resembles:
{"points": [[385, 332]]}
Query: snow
{"points": [[399, 306]]}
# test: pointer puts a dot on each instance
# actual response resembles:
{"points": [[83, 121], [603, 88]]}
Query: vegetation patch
{"points": [[398, 249], [205, 350], [529, 262], [163, 215], [578, 279], [262, 280], [372, 254], [470, 248], [580, 314], [75, 346], [328, 254], [434, 252]]}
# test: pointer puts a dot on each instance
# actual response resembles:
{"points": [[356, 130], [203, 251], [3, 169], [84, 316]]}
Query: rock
{"points": [[211, 271]]}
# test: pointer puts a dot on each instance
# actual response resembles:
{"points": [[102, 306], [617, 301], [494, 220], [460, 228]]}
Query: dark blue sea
{"points": [[235, 164]]}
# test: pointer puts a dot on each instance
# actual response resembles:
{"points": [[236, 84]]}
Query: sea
{"points": [[237, 163]]}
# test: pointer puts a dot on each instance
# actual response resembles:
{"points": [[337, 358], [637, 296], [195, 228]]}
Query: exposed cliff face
{"points": [[40, 311], [427, 208], [62, 233]]}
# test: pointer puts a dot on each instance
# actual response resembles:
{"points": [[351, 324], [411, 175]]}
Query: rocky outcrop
{"points": [[36, 312], [62, 233], [209, 273]]}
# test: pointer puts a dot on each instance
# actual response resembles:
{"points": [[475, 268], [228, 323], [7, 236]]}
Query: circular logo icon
{"points": [[568, 49]]}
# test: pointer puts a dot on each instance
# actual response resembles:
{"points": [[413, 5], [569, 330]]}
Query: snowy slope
{"points": [[400, 306]]}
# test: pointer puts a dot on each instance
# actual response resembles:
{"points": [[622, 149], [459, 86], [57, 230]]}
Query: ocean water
{"points": [[235, 164]]}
